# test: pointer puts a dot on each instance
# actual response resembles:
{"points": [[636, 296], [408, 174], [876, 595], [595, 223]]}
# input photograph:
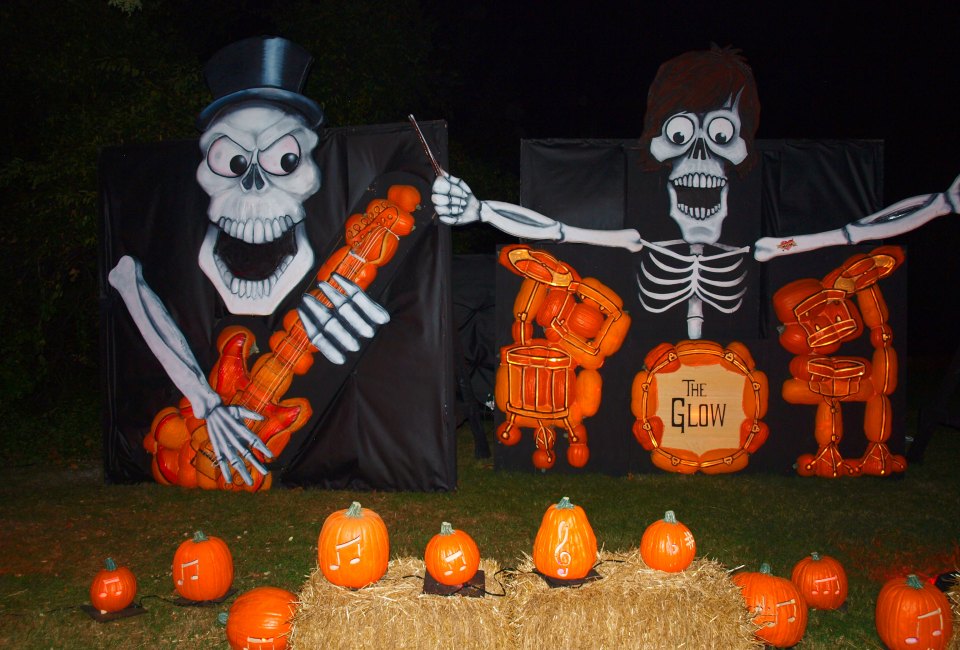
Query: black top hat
{"points": [[266, 68]]}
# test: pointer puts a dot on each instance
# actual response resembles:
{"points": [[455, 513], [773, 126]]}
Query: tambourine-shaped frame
{"points": [[735, 366]]}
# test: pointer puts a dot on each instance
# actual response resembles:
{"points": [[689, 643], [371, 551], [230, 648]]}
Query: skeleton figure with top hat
{"points": [[702, 113], [257, 142]]}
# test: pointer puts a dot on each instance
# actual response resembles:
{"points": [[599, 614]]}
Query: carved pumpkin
{"points": [[776, 605], [821, 580], [668, 545], [354, 548], [260, 618], [565, 546], [452, 557], [113, 588], [913, 614], [202, 568]]}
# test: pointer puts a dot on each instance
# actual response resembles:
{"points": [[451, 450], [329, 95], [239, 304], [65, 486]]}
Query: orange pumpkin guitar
{"points": [[179, 443]]}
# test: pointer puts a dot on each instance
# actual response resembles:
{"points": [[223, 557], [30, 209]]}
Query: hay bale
{"points": [[631, 606], [394, 613]]}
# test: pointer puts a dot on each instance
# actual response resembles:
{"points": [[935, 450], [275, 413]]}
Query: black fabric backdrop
{"points": [[796, 187], [383, 420]]}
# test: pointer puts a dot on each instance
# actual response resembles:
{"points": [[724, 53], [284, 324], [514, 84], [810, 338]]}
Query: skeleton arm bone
{"points": [[894, 220], [229, 436], [456, 205]]}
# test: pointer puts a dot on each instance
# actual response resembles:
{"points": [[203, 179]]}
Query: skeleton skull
{"points": [[699, 147], [258, 170]]}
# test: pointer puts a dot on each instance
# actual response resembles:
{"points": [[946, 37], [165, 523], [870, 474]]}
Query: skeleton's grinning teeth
{"points": [[251, 270], [258, 230], [699, 195]]}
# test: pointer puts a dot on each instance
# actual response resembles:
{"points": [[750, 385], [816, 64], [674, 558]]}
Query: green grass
{"points": [[59, 522]]}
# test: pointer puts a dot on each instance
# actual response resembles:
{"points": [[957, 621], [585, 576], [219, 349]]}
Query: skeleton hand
{"points": [[455, 203], [230, 439], [953, 195], [354, 315]]}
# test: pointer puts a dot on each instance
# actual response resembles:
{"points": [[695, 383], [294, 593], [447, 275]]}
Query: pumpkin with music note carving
{"points": [[202, 568], [913, 614], [668, 545], [821, 580], [353, 549], [776, 606], [260, 618], [113, 588], [565, 546], [452, 557]]}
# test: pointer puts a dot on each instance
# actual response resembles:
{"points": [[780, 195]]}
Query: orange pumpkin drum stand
{"points": [[819, 317], [537, 383]]}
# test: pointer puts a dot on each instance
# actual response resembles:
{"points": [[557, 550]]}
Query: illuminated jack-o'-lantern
{"points": [[699, 407], [911, 614], [260, 618], [776, 605], [821, 580], [353, 549], [113, 588], [452, 557], [537, 384], [202, 568], [565, 546]]}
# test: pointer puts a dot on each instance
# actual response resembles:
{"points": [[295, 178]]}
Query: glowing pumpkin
{"points": [[353, 549], [202, 568], [776, 605], [565, 546], [821, 580], [913, 614], [452, 557], [260, 618], [113, 588], [668, 545]]}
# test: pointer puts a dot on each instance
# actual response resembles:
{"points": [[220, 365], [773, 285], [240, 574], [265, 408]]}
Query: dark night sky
{"points": [[824, 70]]}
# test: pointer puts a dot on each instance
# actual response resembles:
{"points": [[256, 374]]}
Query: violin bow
{"points": [[437, 169]]}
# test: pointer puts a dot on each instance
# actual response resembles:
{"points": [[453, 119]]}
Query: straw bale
{"points": [[631, 606], [394, 613]]}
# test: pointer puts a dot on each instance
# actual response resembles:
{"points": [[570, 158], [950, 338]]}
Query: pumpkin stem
{"points": [[354, 510], [222, 618], [815, 556], [669, 517], [564, 504], [110, 564], [199, 536], [765, 568], [914, 582], [446, 528]]}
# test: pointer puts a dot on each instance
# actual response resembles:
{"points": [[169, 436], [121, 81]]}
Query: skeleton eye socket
{"points": [[226, 158], [281, 157], [721, 130], [679, 129]]}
